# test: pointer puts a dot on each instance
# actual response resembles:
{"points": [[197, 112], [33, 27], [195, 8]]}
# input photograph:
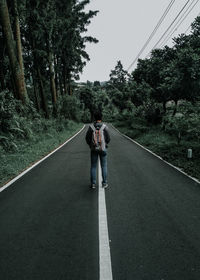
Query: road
{"points": [[49, 218]]}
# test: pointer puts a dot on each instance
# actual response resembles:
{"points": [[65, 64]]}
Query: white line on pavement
{"points": [[27, 170], [105, 268]]}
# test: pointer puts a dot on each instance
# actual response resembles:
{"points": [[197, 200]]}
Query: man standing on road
{"points": [[97, 137]]}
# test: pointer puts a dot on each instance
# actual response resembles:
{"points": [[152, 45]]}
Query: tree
{"points": [[2, 61], [18, 38], [154, 71], [118, 89], [118, 76], [17, 72], [51, 37]]}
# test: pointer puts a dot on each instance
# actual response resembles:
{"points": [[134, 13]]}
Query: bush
{"points": [[13, 124], [86, 116], [150, 111], [69, 107], [185, 124]]}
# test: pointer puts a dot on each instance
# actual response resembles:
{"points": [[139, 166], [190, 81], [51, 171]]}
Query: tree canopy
{"points": [[43, 46]]}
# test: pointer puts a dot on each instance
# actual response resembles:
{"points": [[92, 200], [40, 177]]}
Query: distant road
{"points": [[49, 218]]}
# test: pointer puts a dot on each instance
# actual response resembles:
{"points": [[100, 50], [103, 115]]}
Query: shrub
{"points": [[86, 116], [150, 111], [185, 124], [69, 107]]}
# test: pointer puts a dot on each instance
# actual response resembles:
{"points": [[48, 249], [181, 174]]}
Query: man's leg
{"points": [[103, 159], [94, 159]]}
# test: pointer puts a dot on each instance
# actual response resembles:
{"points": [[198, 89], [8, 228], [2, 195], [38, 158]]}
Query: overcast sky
{"points": [[122, 28]]}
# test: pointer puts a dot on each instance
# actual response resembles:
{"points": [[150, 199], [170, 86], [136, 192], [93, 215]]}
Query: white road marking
{"points": [[27, 170], [105, 267], [177, 168]]}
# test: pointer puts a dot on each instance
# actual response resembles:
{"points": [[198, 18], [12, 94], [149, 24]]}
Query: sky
{"points": [[123, 27]]}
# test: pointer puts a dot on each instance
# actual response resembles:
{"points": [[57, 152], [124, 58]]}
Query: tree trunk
{"points": [[56, 74], [41, 86], [37, 101], [2, 68], [164, 107], [68, 79], [11, 84], [60, 79], [18, 37], [52, 79], [40, 81], [64, 79], [52, 73], [65, 84], [69, 89], [15, 66], [60, 84], [2, 80], [175, 108]]}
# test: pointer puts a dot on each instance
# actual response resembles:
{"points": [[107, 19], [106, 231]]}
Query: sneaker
{"points": [[93, 186], [104, 185]]}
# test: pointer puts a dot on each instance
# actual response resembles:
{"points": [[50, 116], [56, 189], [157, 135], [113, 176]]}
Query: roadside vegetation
{"points": [[158, 104], [25, 152], [161, 101], [42, 53], [165, 143]]}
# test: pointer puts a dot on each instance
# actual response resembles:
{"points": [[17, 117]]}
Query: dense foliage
{"points": [[163, 89], [42, 49], [42, 53]]}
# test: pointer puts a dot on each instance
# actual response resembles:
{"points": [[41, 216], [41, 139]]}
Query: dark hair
{"points": [[98, 116]]}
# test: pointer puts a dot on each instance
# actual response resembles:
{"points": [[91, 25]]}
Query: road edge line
{"points": [[175, 167], [38, 162], [105, 266]]}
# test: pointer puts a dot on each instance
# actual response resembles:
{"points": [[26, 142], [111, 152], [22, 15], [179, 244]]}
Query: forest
{"points": [[42, 54]]}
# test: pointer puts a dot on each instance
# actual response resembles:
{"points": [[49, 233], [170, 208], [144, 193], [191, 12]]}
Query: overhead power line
{"points": [[169, 27], [187, 29], [178, 24], [153, 32]]}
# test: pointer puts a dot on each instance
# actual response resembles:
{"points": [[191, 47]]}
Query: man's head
{"points": [[98, 116]]}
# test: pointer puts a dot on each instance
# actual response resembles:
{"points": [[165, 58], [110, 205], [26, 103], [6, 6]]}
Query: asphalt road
{"points": [[49, 218]]}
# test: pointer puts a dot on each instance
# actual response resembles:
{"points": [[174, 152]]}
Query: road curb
{"points": [[38, 162], [177, 168]]}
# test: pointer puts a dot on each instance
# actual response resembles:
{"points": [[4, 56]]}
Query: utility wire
{"points": [[179, 23], [153, 32], [169, 27], [187, 29]]}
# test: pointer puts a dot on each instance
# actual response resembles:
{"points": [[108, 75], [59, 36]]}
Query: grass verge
{"points": [[32, 150], [165, 145]]}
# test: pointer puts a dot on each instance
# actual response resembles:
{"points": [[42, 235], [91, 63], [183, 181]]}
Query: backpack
{"points": [[98, 140]]}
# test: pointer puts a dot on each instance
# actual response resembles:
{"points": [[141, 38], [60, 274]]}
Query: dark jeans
{"points": [[94, 160]]}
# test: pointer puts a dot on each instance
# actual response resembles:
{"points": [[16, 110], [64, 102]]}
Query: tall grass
{"points": [[28, 151]]}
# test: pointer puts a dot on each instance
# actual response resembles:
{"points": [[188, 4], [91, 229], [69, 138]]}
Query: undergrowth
{"points": [[28, 152], [165, 145], [26, 136]]}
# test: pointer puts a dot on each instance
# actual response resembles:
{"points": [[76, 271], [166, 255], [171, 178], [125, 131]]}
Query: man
{"points": [[97, 137]]}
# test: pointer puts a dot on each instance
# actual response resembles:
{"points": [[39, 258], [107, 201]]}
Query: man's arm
{"points": [[106, 135]]}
